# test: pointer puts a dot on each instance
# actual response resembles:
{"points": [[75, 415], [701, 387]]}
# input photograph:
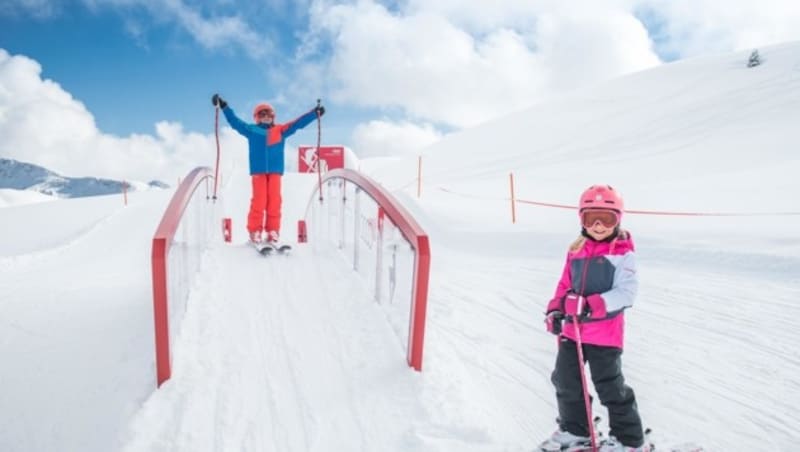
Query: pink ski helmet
{"points": [[601, 197], [260, 107]]}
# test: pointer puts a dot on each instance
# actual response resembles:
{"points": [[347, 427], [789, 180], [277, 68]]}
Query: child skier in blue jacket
{"points": [[266, 142]]}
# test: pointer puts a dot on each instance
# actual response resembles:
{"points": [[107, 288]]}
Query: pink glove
{"points": [[591, 307], [554, 317], [553, 305], [596, 307], [574, 305]]}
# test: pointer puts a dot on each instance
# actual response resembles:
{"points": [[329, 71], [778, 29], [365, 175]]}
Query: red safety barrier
{"points": [[416, 237], [162, 240]]}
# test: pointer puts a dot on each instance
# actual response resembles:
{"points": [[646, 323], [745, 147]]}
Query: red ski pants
{"points": [[266, 199]]}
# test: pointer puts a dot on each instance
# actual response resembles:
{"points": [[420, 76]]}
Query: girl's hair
{"points": [[578, 244]]}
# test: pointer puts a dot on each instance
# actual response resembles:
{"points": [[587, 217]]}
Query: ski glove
{"points": [[595, 307], [553, 322], [218, 101], [554, 317], [590, 307], [320, 110], [574, 305]]}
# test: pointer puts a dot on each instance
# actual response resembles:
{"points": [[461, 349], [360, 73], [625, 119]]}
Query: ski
{"points": [[683, 447], [266, 249], [260, 247], [586, 446], [686, 447], [573, 448]]}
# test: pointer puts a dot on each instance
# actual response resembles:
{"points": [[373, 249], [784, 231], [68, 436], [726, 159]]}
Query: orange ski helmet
{"points": [[261, 107]]}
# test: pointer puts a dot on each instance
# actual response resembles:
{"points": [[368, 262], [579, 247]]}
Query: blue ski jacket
{"points": [[267, 141]]}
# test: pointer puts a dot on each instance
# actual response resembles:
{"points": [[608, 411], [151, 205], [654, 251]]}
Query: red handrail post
{"points": [[420, 304], [160, 313]]}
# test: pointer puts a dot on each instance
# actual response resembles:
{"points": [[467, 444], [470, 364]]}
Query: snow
{"points": [[11, 197], [292, 354]]}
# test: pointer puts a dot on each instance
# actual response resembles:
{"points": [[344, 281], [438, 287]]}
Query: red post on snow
{"points": [[226, 229], [302, 235], [125, 192], [513, 200]]}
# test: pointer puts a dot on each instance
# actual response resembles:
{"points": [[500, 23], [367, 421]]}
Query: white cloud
{"points": [[384, 138], [219, 32], [40, 9], [461, 71], [697, 27], [210, 32], [462, 63], [42, 124]]}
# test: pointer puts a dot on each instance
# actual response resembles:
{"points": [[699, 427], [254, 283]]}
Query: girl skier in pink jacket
{"points": [[599, 279]]}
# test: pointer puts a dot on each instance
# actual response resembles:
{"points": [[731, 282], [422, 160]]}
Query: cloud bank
{"points": [[42, 124]]}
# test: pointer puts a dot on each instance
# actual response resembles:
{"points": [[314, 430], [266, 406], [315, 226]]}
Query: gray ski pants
{"points": [[605, 364]]}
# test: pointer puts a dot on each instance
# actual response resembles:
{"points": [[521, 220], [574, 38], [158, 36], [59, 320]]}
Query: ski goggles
{"points": [[265, 112], [608, 218]]}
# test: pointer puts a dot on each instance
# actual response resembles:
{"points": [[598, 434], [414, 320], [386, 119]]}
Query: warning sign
{"points": [[332, 157]]}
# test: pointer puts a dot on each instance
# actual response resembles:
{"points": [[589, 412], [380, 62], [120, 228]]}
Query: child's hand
{"points": [[595, 307], [574, 305], [553, 322], [218, 101], [591, 307], [554, 316]]}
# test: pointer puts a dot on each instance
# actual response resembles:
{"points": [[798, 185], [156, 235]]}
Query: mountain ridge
{"points": [[28, 176]]}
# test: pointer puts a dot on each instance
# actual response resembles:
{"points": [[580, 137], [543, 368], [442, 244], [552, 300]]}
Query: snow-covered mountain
{"points": [[27, 176]]}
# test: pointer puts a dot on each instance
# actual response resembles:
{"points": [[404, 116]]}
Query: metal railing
{"points": [[384, 243], [180, 239]]}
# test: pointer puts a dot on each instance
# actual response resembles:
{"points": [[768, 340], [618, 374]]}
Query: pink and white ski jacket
{"points": [[607, 269]]}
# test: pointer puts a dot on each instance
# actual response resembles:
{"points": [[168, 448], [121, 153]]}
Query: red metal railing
{"points": [[162, 241], [416, 237]]}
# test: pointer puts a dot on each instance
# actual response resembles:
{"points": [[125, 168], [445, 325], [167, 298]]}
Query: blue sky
{"points": [[394, 76], [130, 79]]}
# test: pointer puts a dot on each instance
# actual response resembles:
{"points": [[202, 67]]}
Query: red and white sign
{"points": [[332, 157]]}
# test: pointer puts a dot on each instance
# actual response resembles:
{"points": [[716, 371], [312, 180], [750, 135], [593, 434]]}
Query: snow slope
{"points": [[291, 354]]}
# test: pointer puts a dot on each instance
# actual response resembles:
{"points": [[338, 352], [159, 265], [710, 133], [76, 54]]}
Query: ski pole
{"points": [[586, 400], [319, 162], [216, 134]]}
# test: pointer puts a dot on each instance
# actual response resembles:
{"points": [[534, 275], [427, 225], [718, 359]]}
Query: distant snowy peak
{"points": [[157, 184], [26, 176]]}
